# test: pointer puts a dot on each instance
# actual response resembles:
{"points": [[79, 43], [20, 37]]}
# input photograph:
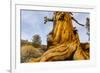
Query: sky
{"points": [[32, 22]]}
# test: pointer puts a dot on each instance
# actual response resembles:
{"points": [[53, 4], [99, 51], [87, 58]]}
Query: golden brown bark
{"points": [[63, 43]]}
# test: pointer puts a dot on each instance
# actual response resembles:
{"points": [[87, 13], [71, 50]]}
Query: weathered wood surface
{"points": [[63, 41]]}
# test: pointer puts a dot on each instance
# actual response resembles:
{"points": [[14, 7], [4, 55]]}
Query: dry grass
{"points": [[28, 52]]}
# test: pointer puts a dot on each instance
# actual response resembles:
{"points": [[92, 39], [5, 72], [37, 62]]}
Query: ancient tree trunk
{"points": [[63, 41]]}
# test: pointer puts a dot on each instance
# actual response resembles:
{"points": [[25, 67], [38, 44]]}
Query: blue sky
{"points": [[32, 22]]}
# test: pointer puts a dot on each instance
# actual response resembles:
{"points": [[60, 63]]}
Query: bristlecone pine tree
{"points": [[63, 42]]}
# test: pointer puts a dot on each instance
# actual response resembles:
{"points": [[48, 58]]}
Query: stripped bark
{"points": [[63, 41]]}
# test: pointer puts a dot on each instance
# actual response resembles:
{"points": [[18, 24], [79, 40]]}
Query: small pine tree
{"points": [[36, 41]]}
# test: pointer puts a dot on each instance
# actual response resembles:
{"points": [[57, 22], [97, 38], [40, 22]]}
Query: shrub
{"points": [[28, 52]]}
